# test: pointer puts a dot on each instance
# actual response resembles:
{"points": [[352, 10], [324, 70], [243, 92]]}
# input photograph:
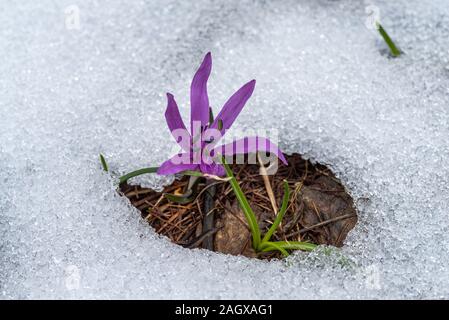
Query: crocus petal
{"points": [[173, 165], [199, 101], [233, 106], [250, 145], [215, 169], [175, 123]]}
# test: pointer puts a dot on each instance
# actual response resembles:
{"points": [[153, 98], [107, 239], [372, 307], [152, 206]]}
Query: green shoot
{"points": [[104, 164], [290, 245], [280, 215], [269, 246], [395, 52]]}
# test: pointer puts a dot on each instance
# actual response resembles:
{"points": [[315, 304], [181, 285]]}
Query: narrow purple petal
{"points": [[175, 165], [250, 145], [214, 168], [199, 101], [233, 106], [175, 123]]}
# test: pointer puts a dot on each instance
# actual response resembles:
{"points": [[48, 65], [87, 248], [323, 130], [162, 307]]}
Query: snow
{"points": [[323, 80]]}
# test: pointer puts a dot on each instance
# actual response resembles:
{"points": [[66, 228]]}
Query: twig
{"points": [[197, 241], [345, 216]]}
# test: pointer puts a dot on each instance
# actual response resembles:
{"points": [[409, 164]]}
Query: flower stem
{"points": [[249, 213]]}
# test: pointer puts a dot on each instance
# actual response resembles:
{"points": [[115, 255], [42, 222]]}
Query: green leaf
{"points": [[220, 124], [248, 212], [104, 163], [289, 245], [136, 173], [271, 245], [188, 197], [395, 52], [280, 215]]}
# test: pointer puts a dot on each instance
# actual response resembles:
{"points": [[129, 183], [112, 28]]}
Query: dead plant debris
{"points": [[320, 209]]}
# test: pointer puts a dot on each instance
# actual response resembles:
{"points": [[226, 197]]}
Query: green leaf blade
{"points": [[188, 197], [248, 212], [280, 215], [136, 173], [395, 52], [104, 164]]}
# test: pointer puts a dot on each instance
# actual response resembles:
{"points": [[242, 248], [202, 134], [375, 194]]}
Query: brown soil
{"points": [[320, 209]]}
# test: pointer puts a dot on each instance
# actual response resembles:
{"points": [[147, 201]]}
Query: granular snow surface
{"points": [[324, 80]]}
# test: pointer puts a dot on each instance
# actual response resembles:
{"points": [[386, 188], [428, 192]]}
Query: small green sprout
{"points": [[395, 52], [104, 163]]}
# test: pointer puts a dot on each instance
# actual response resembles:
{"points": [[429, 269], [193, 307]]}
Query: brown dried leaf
{"points": [[234, 237], [324, 200]]}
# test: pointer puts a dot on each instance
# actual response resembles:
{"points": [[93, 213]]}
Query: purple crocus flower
{"points": [[198, 146]]}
